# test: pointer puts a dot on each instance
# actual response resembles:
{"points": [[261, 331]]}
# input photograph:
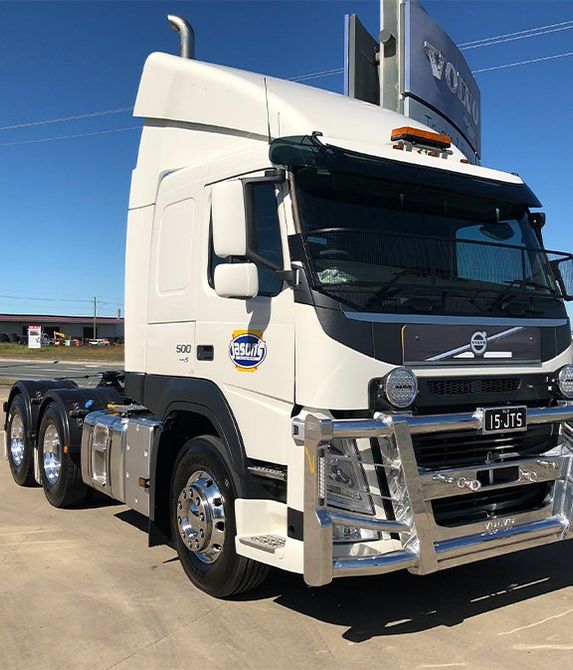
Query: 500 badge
{"points": [[247, 349]]}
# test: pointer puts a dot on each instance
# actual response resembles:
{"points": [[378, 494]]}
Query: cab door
{"points": [[174, 273], [246, 346]]}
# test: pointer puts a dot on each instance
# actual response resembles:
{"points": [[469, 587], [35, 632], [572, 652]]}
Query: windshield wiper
{"points": [[504, 299], [386, 290]]}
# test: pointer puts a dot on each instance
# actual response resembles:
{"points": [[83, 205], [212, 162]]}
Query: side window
{"points": [[266, 236]]}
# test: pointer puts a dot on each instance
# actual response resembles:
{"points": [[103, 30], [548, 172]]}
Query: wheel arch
{"points": [[183, 421], [71, 403], [200, 407], [33, 394]]}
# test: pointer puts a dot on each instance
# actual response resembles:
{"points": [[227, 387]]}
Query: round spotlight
{"points": [[565, 381], [401, 387]]}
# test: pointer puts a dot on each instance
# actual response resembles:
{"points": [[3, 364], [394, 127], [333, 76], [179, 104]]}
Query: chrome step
{"points": [[270, 543]]}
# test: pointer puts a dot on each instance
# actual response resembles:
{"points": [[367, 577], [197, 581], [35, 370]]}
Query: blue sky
{"points": [[63, 203]]}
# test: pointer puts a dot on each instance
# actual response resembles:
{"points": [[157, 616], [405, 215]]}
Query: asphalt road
{"points": [[50, 370], [81, 589]]}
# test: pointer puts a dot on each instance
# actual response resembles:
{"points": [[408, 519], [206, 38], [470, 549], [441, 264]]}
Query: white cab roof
{"points": [[235, 103]]}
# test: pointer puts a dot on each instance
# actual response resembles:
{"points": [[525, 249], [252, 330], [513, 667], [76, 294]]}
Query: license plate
{"points": [[504, 419]]}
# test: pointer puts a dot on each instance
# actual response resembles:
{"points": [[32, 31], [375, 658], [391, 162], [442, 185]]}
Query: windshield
{"points": [[382, 245]]}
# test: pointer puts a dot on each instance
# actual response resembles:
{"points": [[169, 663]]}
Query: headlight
{"points": [[345, 479], [565, 381], [400, 387]]}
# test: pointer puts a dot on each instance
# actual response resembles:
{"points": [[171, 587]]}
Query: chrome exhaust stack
{"points": [[186, 35]]}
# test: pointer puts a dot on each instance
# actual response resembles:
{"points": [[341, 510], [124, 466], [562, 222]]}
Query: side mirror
{"points": [[236, 280], [229, 219], [563, 272], [537, 220]]}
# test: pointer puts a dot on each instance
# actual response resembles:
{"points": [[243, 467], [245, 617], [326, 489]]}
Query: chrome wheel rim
{"points": [[201, 517], [52, 451], [17, 439]]}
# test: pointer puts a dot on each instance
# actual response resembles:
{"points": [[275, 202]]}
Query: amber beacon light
{"points": [[417, 136]]}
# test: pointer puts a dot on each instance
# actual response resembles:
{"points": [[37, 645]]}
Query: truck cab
{"points": [[347, 349]]}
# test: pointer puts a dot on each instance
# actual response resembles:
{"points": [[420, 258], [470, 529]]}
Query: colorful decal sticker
{"points": [[247, 349]]}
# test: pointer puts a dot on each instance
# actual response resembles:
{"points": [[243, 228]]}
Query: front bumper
{"points": [[426, 546]]}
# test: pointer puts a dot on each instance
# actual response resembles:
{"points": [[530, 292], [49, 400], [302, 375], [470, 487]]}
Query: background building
{"points": [[73, 326]]}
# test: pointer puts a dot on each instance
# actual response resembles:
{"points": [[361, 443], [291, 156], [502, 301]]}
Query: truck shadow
{"points": [[401, 603]]}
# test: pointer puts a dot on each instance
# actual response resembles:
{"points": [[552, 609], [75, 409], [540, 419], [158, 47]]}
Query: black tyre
{"points": [[20, 447], [61, 476], [203, 522]]}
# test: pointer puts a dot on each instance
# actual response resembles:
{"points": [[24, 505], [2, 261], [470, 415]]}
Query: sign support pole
{"points": [[391, 47]]}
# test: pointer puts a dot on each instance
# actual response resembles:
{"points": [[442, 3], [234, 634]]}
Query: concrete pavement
{"points": [[80, 589]]}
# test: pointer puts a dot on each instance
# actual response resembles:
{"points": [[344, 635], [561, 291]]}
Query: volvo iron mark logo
{"points": [[478, 343]]}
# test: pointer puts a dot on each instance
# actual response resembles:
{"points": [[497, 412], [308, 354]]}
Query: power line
{"points": [[519, 32], [328, 73], [486, 41], [522, 62], [67, 137], [21, 297], [63, 119], [35, 298], [317, 75], [517, 37]]}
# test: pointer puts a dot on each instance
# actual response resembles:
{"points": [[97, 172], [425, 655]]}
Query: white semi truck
{"points": [[347, 349]]}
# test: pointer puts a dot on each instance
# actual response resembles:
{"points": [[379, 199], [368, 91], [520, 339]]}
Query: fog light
{"points": [[565, 381], [400, 387]]}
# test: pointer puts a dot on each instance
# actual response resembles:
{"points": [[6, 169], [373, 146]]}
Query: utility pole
{"points": [[95, 317]]}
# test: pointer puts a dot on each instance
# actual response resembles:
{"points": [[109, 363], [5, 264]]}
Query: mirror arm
{"points": [[255, 258], [288, 276]]}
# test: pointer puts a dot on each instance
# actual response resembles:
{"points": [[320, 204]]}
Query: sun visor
{"points": [[311, 151]]}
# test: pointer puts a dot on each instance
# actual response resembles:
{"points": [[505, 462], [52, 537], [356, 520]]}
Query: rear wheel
{"points": [[61, 476], [20, 448], [203, 522]]}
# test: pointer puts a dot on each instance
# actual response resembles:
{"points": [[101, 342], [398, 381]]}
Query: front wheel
{"points": [[61, 476], [203, 522]]}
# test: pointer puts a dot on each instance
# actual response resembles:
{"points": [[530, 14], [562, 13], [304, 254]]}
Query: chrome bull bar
{"points": [[427, 547]]}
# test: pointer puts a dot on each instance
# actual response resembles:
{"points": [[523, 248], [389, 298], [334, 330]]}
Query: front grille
{"points": [[449, 387], [493, 385], [450, 450], [484, 505]]}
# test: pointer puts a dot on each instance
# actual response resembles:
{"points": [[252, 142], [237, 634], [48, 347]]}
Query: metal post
{"points": [[391, 56], [95, 317]]}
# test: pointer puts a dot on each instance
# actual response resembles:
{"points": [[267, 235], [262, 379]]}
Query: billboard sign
{"points": [[34, 337], [361, 79], [438, 79]]}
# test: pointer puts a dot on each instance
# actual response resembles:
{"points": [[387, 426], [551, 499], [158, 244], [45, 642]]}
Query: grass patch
{"points": [[111, 354]]}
